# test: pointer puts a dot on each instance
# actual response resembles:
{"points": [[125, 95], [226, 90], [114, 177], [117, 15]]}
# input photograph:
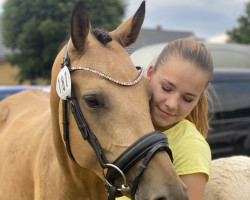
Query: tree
{"points": [[242, 33], [34, 30]]}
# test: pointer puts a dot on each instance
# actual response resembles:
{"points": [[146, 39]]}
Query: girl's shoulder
{"points": [[183, 129]]}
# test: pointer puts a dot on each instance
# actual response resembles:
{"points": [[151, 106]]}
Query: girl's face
{"points": [[176, 88]]}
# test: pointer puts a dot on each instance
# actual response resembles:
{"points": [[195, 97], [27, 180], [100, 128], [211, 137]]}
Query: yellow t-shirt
{"points": [[191, 152]]}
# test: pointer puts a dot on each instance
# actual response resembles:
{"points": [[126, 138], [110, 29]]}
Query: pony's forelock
{"points": [[101, 35]]}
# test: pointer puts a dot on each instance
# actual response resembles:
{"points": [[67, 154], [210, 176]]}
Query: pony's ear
{"points": [[79, 26], [128, 31]]}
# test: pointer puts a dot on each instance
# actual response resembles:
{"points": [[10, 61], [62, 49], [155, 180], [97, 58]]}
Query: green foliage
{"points": [[34, 30], [242, 33], [105, 14]]}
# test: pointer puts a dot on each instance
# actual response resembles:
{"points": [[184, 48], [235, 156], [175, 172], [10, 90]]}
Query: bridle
{"points": [[145, 147]]}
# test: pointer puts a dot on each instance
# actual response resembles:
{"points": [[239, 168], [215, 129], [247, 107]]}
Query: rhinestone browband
{"points": [[109, 77]]}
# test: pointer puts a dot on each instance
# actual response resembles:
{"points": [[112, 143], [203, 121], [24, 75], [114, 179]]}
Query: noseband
{"points": [[145, 147]]}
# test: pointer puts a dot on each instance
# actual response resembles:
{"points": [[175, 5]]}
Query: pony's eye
{"points": [[93, 102]]}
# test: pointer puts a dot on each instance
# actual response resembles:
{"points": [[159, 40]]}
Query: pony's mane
{"points": [[101, 35]]}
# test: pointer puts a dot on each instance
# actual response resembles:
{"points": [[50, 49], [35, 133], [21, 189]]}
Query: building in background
{"points": [[158, 35], [7, 72]]}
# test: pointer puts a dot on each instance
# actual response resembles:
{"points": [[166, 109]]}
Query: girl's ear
{"points": [[150, 72]]}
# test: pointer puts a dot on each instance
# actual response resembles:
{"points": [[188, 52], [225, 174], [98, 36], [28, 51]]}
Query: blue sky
{"points": [[205, 18]]}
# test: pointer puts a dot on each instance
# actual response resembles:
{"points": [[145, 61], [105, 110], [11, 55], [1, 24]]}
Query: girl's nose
{"points": [[172, 102]]}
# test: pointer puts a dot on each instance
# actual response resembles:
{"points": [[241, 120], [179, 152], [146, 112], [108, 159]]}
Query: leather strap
{"points": [[86, 133], [137, 151], [66, 128], [144, 164]]}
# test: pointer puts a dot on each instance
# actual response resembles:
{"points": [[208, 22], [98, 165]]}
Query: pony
{"points": [[92, 136], [229, 179]]}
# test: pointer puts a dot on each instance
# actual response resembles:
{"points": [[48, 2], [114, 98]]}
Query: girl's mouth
{"points": [[164, 113]]}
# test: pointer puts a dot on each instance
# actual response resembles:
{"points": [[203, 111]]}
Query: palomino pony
{"points": [[95, 133]]}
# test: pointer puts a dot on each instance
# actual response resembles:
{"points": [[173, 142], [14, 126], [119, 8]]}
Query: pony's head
{"points": [[109, 101]]}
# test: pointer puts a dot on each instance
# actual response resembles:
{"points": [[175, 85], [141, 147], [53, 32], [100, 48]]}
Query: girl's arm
{"points": [[196, 185]]}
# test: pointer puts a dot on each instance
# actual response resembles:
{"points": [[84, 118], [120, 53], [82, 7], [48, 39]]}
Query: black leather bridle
{"points": [[145, 147]]}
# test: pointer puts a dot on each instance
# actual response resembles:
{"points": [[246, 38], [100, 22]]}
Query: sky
{"points": [[205, 18]]}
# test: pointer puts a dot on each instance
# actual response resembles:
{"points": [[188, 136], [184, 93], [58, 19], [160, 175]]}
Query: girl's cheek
{"points": [[188, 107]]}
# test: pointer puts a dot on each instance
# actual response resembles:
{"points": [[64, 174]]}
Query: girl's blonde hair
{"points": [[194, 52], [199, 115]]}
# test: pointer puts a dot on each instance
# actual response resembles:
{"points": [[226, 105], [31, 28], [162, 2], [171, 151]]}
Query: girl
{"points": [[179, 109]]}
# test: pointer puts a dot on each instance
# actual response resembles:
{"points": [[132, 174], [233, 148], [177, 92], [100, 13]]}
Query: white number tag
{"points": [[63, 83]]}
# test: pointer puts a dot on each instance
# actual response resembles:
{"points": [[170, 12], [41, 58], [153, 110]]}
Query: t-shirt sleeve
{"points": [[192, 155]]}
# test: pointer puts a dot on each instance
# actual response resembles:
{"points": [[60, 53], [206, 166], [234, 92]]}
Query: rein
{"points": [[145, 147]]}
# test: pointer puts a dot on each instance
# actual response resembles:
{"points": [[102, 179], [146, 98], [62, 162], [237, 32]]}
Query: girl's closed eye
{"points": [[166, 89], [188, 100]]}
